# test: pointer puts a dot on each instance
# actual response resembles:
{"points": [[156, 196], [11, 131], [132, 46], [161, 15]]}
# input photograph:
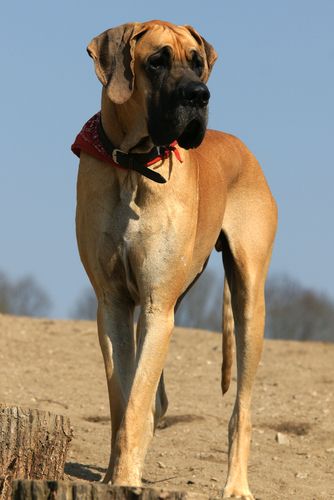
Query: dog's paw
{"points": [[243, 497], [236, 493]]}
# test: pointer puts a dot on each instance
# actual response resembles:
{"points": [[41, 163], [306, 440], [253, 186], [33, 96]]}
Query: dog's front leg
{"points": [[116, 336], [136, 430]]}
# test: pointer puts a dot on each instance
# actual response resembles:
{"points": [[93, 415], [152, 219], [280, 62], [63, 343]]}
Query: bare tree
{"points": [[297, 313], [24, 297], [4, 293], [86, 305], [202, 306]]}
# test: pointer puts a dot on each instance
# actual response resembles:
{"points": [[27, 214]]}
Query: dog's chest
{"points": [[143, 242], [136, 242], [149, 240]]}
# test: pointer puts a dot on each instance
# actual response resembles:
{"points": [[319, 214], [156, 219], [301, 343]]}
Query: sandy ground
{"points": [[57, 366]]}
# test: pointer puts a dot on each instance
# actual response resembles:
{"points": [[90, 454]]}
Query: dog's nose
{"points": [[194, 94]]}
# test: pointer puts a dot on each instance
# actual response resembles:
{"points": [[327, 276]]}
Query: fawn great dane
{"points": [[156, 193]]}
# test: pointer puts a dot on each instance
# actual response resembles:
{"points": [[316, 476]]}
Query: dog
{"points": [[156, 193]]}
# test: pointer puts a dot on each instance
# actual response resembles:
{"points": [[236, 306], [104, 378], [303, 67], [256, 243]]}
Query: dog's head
{"points": [[162, 67]]}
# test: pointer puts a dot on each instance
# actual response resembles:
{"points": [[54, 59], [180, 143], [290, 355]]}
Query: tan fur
{"points": [[228, 329], [144, 243]]}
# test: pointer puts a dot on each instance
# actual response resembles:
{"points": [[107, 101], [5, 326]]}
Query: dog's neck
{"points": [[125, 125]]}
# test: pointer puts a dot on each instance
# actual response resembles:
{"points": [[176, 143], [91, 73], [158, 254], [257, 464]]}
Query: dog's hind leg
{"points": [[161, 401], [246, 253], [247, 296]]}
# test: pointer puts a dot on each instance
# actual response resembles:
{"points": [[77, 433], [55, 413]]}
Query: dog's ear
{"points": [[113, 55], [211, 54]]}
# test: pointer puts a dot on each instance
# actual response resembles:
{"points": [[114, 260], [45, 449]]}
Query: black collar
{"points": [[135, 161]]}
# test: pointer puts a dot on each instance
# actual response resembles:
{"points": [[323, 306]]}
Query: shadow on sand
{"points": [[83, 471]]}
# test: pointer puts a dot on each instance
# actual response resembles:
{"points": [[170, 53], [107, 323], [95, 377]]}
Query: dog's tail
{"points": [[228, 338]]}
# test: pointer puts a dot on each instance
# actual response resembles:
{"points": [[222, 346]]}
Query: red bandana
{"points": [[89, 142]]}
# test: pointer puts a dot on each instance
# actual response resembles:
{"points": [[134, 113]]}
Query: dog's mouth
{"points": [[192, 135]]}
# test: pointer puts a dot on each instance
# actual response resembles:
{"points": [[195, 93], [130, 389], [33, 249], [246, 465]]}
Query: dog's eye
{"points": [[159, 60], [197, 64]]}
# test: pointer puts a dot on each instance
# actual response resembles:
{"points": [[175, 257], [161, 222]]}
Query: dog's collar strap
{"points": [[93, 140], [136, 161]]}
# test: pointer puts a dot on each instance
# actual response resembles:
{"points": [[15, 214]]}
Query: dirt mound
{"points": [[57, 366]]}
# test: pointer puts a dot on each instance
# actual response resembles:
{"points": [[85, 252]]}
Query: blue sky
{"points": [[272, 86]]}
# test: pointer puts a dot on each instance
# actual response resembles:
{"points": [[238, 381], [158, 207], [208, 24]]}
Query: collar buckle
{"points": [[114, 155]]}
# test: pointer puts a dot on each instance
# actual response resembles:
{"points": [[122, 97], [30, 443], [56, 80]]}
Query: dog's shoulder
{"points": [[222, 140], [224, 147], [227, 155]]}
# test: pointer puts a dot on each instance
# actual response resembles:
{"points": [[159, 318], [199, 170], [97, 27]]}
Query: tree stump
{"points": [[59, 490], [33, 445]]}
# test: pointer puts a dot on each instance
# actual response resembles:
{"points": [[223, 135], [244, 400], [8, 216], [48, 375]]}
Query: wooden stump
{"points": [[33, 445], [59, 490]]}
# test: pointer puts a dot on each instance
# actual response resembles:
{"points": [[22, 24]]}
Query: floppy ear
{"points": [[113, 55], [211, 54]]}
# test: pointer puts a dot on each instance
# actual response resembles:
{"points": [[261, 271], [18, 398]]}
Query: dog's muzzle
{"points": [[179, 113]]}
